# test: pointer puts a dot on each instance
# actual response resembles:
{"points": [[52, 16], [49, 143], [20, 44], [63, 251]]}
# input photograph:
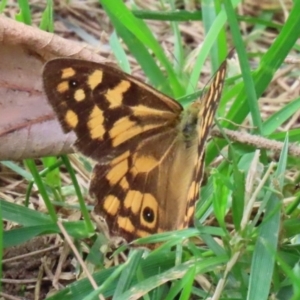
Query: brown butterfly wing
{"points": [[127, 127], [207, 109], [148, 172], [108, 110]]}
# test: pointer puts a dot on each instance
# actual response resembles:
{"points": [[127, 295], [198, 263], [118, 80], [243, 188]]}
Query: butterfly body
{"points": [[149, 151]]}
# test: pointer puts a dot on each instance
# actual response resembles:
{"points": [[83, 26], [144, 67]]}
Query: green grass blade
{"points": [[209, 15], [182, 15], [238, 193], [23, 215], [172, 274], [41, 186], [210, 39], [128, 273], [52, 178], [2, 5], [25, 13], [178, 46], [82, 204], [47, 22], [245, 67], [119, 53], [267, 241], [281, 116], [17, 169]]}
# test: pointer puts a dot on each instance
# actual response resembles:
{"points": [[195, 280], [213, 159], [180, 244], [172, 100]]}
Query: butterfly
{"points": [[149, 151]]}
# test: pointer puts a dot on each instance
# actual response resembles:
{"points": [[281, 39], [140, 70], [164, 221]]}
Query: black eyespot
{"points": [[148, 214], [73, 83]]}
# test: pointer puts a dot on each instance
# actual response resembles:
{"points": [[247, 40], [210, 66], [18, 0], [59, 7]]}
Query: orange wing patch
{"points": [[67, 73], [94, 79], [115, 96], [79, 95], [95, 124], [71, 118]]}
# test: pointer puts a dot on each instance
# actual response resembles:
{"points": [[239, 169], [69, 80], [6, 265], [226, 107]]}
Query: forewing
{"points": [[108, 110], [208, 107]]}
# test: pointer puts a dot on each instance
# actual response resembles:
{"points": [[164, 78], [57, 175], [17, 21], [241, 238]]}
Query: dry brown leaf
{"points": [[28, 127]]}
